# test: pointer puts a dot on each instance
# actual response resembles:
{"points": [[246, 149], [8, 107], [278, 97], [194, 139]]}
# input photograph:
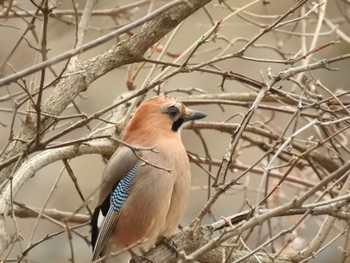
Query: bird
{"points": [[145, 184]]}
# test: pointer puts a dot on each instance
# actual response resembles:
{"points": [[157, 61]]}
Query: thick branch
{"points": [[189, 240]]}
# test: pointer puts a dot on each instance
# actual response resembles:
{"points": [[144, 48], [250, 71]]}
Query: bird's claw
{"points": [[169, 242]]}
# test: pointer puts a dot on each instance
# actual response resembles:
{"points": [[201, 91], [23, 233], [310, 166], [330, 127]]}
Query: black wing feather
{"points": [[104, 207]]}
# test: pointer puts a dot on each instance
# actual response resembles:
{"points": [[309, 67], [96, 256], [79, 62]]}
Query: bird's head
{"points": [[160, 114]]}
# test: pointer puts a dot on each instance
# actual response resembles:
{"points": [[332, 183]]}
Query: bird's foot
{"points": [[140, 259], [169, 243]]}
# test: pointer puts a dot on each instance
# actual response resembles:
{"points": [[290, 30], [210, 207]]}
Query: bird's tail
{"points": [[109, 253]]}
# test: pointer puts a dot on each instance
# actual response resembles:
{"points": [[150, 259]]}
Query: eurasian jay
{"points": [[143, 193]]}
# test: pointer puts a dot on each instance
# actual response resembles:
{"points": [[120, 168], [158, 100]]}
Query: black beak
{"points": [[194, 115]]}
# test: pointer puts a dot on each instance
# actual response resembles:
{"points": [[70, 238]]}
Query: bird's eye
{"points": [[173, 112]]}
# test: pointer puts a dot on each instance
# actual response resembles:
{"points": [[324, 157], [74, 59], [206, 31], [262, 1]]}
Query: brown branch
{"points": [[320, 158], [23, 211], [69, 12], [236, 135]]}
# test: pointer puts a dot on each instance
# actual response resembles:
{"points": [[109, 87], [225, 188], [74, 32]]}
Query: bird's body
{"points": [[143, 193]]}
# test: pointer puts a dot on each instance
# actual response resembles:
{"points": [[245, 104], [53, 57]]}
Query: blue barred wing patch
{"points": [[121, 192]]}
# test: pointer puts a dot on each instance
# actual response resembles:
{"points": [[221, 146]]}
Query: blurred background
{"points": [[52, 187]]}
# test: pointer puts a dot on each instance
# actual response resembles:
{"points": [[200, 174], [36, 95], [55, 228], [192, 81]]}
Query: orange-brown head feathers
{"points": [[159, 115]]}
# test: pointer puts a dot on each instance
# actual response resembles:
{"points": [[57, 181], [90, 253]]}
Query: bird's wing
{"points": [[116, 182], [121, 162], [104, 233]]}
